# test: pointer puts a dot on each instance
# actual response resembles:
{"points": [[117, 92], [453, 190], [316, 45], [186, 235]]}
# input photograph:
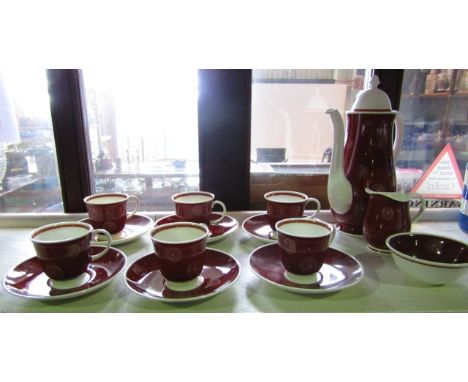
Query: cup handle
{"points": [[422, 207], [223, 213], [318, 206], [137, 205], [109, 241]]}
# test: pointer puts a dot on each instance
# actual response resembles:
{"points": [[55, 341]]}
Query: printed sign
{"points": [[442, 180]]}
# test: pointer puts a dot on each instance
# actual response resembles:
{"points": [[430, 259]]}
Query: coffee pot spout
{"points": [[339, 189]]}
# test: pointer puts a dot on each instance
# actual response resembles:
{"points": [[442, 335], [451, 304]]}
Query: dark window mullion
{"points": [[224, 134], [391, 81], [68, 111]]}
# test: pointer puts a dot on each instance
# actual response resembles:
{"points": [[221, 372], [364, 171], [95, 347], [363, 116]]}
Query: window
{"points": [[28, 165], [292, 136], [143, 133], [434, 104]]}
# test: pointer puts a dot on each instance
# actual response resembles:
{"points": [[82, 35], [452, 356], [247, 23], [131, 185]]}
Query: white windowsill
{"points": [[13, 220]]}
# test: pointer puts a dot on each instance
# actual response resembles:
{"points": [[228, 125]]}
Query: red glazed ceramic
{"points": [[180, 248], [287, 204], [303, 244], [28, 280], [197, 207], [220, 271], [63, 248], [258, 226], [388, 213], [109, 210], [367, 157], [429, 259], [339, 271], [218, 231]]}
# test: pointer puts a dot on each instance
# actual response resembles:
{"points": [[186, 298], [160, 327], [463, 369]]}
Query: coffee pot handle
{"points": [[422, 207], [399, 130]]}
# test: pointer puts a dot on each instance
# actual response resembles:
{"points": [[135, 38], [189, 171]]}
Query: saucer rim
{"points": [[186, 299], [356, 235], [147, 227], [211, 239], [65, 296], [263, 239], [304, 290]]}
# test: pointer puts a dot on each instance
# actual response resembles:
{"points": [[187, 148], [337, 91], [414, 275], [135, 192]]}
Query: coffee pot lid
{"points": [[372, 99]]}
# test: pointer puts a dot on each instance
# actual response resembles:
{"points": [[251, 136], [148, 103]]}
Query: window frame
{"points": [[69, 122], [224, 126]]}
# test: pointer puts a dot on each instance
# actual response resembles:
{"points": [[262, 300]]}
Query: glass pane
{"points": [[28, 163], [292, 136], [143, 133], [434, 104]]}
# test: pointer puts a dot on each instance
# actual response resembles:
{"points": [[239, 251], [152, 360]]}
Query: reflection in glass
{"points": [[144, 133], [434, 104], [28, 165], [292, 137]]}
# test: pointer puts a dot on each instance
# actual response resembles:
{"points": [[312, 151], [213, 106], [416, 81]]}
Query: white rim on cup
{"points": [[162, 227], [324, 224], [185, 194], [107, 194], [58, 225], [305, 199], [125, 197], [282, 192]]}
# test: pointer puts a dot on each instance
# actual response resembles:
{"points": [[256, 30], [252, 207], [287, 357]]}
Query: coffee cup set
{"points": [[298, 256], [76, 258], [182, 268], [197, 207], [109, 211]]}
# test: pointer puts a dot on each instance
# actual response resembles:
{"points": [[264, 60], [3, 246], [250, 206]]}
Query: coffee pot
{"points": [[367, 157]]}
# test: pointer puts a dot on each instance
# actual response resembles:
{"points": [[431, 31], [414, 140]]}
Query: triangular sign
{"points": [[442, 180]]}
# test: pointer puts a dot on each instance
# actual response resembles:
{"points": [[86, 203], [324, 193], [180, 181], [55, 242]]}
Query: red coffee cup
{"points": [[287, 204], [180, 248], [197, 207], [63, 248], [109, 210], [303, 244]]}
